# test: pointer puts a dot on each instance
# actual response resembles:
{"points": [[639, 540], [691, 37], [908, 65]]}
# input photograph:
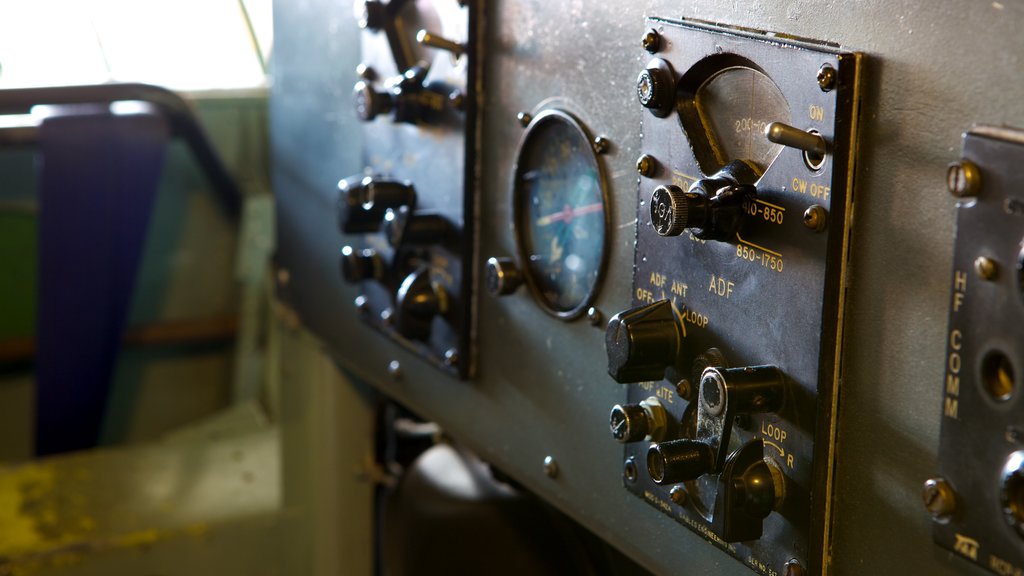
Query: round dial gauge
{"points": [[560, 216]]}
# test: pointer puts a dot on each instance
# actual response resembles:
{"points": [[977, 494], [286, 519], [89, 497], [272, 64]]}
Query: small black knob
{"points": [[629, 423], [372, 15], [370, 102], [642, 342], [359, 265], [654, 89], [364, 201], [418, 303], [678, 461], [673, 210], [503, 276]]}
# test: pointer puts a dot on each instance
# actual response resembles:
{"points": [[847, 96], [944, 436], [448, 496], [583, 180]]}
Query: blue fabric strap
{"points": [[98, 176]]}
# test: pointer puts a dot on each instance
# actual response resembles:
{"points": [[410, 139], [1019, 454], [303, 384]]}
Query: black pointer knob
{"points": [[642, 342]]}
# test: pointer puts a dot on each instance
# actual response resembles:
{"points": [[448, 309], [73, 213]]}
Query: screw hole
{"points": [[997, 375]]}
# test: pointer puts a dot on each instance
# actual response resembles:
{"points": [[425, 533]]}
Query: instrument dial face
{"points": [[730, 108], [560, 216]]}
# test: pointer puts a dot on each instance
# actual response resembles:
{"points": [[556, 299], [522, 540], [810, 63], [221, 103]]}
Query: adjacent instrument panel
{"points": [[731, 348], [407, 218], [977, 499]]}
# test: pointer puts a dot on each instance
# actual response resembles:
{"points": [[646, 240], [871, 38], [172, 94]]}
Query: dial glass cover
{"points": [[735, 104], [561, 222]]}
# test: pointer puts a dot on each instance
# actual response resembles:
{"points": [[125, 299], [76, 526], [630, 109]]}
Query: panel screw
{"points": [[387, 316], [985, 267], [366, 72], [457, 99], [939, 498], [550, 467], [524, 119], [601, 144], [826, 77], [651, 41], [395, 370], [594, 315], [629, 470], [362, 304], [963, 179], [794, 568], [678, 495], [645, 165], [684, 390], [451, 357], [815, 217], [284, 276]]}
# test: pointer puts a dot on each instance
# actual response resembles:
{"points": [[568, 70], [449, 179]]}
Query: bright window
{"points": [[181, 44]]}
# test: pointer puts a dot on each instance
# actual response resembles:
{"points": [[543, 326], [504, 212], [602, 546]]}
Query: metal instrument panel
{"points": [[541, 388]]}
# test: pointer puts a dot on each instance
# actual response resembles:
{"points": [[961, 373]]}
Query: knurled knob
{"points": [[673, 210], [678, 461]]}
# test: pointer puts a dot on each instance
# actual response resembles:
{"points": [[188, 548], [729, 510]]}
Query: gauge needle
{"points": [[567, 213]]}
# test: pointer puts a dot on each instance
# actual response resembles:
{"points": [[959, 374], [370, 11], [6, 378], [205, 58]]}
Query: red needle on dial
{"points": [[567, 213]]}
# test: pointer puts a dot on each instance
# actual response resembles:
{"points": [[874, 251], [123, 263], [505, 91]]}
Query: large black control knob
{"points": [[363, 201], [642, 342], [419, 301]]}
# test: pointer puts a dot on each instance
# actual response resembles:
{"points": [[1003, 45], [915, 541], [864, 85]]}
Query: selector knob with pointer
{"points": [[642, 342]]}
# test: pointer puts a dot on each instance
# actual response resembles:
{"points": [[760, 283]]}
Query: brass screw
{"points": [[963, 179], [524, 119], [826, 77], [815, 218], [550, 467], [985, 267], [395, 370], [362, 304], [651, 41], [629, 470], [645, 165], [594, 316], [939, 498], [451, 357], [684, 390], [678, 495], [794, 568], [601, 144]]}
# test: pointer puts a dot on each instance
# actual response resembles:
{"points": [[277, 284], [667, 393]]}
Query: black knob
{"points": [[678, 461], [503, 276], [359, 265], [403, 227], [370, 102], [674, 210], [364, 201], [654, 89], [642, 342], [418, 303]]}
